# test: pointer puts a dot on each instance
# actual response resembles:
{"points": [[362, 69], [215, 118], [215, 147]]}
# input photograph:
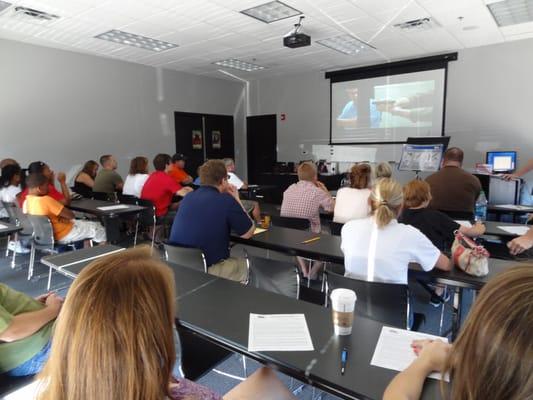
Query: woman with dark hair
{"points": [[84, 181], [493, 356], [10, 183], [137, 176], [39, 167], [352, 202]]}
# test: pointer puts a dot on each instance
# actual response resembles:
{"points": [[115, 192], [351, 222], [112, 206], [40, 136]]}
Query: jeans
{"points": [[34, 364]]}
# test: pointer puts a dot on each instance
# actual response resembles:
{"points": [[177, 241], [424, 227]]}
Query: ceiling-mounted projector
{"points": [[295, 38]]}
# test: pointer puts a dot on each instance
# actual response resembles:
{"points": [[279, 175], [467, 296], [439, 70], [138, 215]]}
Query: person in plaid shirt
{"points": [[304, 200]]}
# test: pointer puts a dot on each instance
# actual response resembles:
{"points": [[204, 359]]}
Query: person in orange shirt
{"points": [[177, 171], [66, 228]]}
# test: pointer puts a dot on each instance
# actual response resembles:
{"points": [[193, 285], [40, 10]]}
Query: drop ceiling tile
{"points": [[147, 29], [104, 16]]}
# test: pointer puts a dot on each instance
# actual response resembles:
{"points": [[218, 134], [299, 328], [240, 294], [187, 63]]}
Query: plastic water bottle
{"points": [[481, 207]]}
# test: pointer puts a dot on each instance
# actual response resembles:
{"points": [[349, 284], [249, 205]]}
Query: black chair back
{"points": [[189, 257], [290, 222], [101, 196], [127, 199], [335, 228], [384, 302], [147, 217], [274, 276]]}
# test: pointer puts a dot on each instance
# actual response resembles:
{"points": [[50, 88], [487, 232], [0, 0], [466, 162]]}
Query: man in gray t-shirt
{"points": [[108, 180]]}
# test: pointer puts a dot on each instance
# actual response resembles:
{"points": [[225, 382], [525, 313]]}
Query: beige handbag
{"points": [[469, 256]]}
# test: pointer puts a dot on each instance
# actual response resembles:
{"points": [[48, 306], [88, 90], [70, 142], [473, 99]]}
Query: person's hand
{"points": [[61, 177], [432, 353], [184, 191], [42, 298], [509, 177], [54, 303], [480, 227], [520, 244]]}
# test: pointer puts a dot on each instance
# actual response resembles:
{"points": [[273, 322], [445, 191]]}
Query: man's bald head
{"points": [[453, 155]]}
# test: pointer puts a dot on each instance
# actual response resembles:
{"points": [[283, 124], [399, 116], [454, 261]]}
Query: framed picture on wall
{"points": [[216, 139], [197, 140]]}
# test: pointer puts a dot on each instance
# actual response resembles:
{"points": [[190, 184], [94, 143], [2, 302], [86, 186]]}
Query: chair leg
{"points": [[153, 235], [245, 370], [136, 233], [14, 251], [49, 279], [7, 245], [32, 260]]}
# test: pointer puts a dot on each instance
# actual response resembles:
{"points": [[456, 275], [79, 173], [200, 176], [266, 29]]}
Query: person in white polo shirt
{"points": [[250, 206], [379, 249]]}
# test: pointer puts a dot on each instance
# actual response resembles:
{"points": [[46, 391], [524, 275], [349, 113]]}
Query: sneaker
{"points": [[435, 300], [17, 247]]}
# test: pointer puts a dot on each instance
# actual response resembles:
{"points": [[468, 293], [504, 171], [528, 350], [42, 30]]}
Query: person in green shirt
{"points": [[25, 329], [108, 180]]}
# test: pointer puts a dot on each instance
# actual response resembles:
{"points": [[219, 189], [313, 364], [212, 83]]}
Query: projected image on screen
{"points": [[389, 108]]}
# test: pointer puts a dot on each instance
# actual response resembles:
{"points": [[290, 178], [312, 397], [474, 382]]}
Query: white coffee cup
{"points": [[342, 307]]}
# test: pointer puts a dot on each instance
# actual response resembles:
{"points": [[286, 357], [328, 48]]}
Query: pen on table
{"points": [[344, 357], [311, 240]]}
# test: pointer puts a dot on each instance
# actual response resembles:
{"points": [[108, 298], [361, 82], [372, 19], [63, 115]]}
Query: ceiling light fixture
{"points": [[131, 39], [511, 12], [240, 65], [346, 44], [271, 12]]}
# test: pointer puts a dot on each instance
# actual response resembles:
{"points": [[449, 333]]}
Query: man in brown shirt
{"points": [[454, 191]]}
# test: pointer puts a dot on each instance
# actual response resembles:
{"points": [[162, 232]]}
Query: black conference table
{"points": [[492, 228], [109, 214], [219, 312], [7, 229], [514, 210]]}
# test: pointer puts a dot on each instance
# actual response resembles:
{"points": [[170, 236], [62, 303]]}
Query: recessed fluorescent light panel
{"points": [[271, 12], [346, 44], [131, 39], [4, 5], [240, 65], [512, 12]]}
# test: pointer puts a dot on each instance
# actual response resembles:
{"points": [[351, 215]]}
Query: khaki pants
{"points": [[234, 269]]}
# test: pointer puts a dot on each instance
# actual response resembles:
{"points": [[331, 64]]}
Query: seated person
{"points": [[379, 249], [304, 200], [493, 356], [454, 191], [38, 167], [10, 183], [206, 218], [352, 202], [102, 352], [437, 226], [521, 243], [25, 330], [8, 161], [66, 228], [177, 170], [160, 188], [137, 177], [84, 181], [108, 180], [383, 170], [250, 206]]}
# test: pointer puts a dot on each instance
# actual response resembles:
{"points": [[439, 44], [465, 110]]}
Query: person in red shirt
{"points": [[160, 187], [39, 167]]}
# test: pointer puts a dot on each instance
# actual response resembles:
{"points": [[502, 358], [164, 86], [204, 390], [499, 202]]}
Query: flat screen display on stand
{"points": [[502, 161], [421, 157]]}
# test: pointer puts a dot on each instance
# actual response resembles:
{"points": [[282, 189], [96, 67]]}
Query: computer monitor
{"points": [[421, 157], [502, 161]]}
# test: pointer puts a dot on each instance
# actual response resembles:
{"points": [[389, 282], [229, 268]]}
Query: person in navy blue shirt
{"points": [[206, 217]]}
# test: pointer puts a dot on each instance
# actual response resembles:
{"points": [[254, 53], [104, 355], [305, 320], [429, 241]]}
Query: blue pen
{"points": [[344, 357]]}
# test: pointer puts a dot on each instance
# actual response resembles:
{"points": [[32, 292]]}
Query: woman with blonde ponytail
{"points": [[378, 248]]}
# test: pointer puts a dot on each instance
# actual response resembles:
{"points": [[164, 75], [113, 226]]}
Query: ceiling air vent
{"points": [[417, 24], [36, 14]]}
